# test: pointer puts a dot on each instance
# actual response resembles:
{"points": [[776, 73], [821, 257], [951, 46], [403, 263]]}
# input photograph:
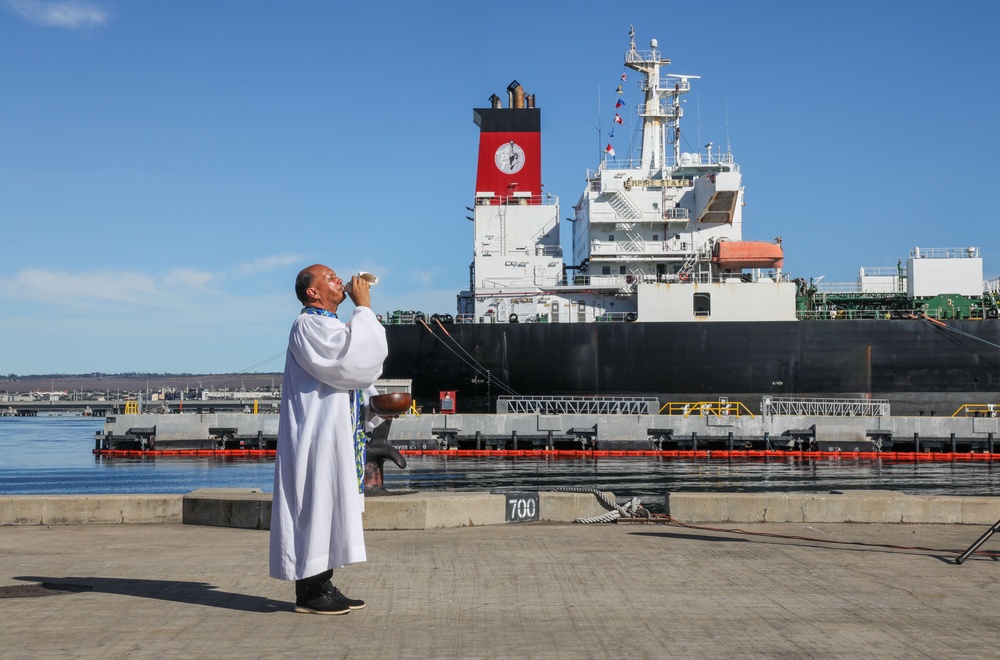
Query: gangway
{"points": [[825, 407], [569, 405]]}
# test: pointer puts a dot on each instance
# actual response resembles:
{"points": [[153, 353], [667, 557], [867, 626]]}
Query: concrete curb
{"points": [[860, 506], [251, 509], [89, 509]]}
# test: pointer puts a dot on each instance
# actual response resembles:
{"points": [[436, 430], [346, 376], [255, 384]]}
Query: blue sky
{"points": [[167, 167]]}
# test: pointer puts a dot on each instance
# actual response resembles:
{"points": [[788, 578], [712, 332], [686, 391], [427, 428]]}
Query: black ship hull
{"points": [[920, 367]]}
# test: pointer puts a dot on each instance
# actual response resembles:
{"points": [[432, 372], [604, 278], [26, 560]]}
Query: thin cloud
{"points": [[190, 277], [265, 264], [423, 277], [69, 288], [69, 14]]}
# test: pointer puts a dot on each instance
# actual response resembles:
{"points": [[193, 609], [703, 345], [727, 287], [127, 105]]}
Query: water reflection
{"points": [[650, 478], [54, 456]]}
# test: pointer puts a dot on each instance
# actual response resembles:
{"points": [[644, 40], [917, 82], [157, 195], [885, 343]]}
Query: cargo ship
{"points": [[663, 297]]}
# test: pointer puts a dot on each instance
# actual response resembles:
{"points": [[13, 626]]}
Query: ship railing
{"points": [[662, 108], [515, 199], [883, 286], [863, 314], [945, 253], [634, 56], [705, 409], [548, 250], [506, 282], [670, 83], [630, 247], [615, 317], [609, 163], [991, 286], [753, 277], [698, 159], [880, 271], [409, 317], [838, 287], [607, 317], [575, 405], [977, 410], [824, 407], [895, 285], [500, 318]]}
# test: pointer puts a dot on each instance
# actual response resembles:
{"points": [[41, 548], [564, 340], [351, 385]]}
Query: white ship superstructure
{"points": [[665, 230], [655, 238]]}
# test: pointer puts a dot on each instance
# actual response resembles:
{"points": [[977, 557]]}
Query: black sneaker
{"points": [[324, 603], [338, 595]]}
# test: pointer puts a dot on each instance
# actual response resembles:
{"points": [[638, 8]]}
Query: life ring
{"points": [[683, 277], [512, 318]]}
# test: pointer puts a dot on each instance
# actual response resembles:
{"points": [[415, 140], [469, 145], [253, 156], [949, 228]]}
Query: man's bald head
{"points": [[303, 281]]}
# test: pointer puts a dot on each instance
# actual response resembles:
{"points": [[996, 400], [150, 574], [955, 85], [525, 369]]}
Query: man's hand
{"points": [[360, 292]]}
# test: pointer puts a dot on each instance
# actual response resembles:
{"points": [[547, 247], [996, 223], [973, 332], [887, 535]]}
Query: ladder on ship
{"points": [[635, 242], [624, 206], [628, 284], [693, 260], [687, 268]]}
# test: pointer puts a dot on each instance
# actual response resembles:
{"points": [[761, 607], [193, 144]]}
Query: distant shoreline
{"points": [[106, 382]]}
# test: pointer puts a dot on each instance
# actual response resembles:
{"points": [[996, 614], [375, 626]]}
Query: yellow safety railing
{"points": [[131, 408], [705, 408], [977, 410]]}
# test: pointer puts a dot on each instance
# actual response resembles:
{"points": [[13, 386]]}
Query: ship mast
{"points": [[662, 108]]}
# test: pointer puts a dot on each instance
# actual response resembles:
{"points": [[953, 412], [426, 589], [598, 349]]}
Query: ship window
{"points": [[702, 304], [611, 237], [656, 237], [605, 270], [621, 270]]}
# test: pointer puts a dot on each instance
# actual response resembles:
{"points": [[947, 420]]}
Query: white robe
{"points": [[316, 508]]}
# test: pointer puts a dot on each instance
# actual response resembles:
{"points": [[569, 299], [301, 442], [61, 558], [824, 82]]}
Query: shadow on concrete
{"points": [[195, 593], [808, 542], [694, 537]]}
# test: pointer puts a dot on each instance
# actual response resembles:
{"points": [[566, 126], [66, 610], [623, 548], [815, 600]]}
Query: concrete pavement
{"points": [[526, 590]]}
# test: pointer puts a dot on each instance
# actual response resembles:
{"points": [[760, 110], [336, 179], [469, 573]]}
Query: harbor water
{"points": [[54, 455]]}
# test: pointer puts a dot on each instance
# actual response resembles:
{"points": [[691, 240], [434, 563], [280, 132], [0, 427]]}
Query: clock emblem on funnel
{"points": [[510, 158]]}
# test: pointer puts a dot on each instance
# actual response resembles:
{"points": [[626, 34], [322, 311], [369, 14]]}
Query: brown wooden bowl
{"points": [[391, 404]]}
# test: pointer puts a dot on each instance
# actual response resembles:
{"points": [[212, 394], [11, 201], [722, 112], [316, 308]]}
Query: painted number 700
{"points": [[522, 508]]}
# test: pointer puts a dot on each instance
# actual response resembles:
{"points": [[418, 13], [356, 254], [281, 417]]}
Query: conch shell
{"points": [[368, 277]]}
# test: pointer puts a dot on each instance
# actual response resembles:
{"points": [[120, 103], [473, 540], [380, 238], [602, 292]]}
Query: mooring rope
{"points": [[632, 509]]}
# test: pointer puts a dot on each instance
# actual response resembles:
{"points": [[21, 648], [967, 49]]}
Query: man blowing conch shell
{"points": [[330, 369]]}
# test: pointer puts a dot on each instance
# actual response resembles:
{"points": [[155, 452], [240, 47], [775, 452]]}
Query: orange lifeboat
{"points": [[748, 254]]}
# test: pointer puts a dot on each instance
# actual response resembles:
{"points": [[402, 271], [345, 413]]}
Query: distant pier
{"points": [[720, 428]]}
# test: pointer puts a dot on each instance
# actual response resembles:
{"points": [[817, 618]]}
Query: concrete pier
{"points": [[535, 590]]}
